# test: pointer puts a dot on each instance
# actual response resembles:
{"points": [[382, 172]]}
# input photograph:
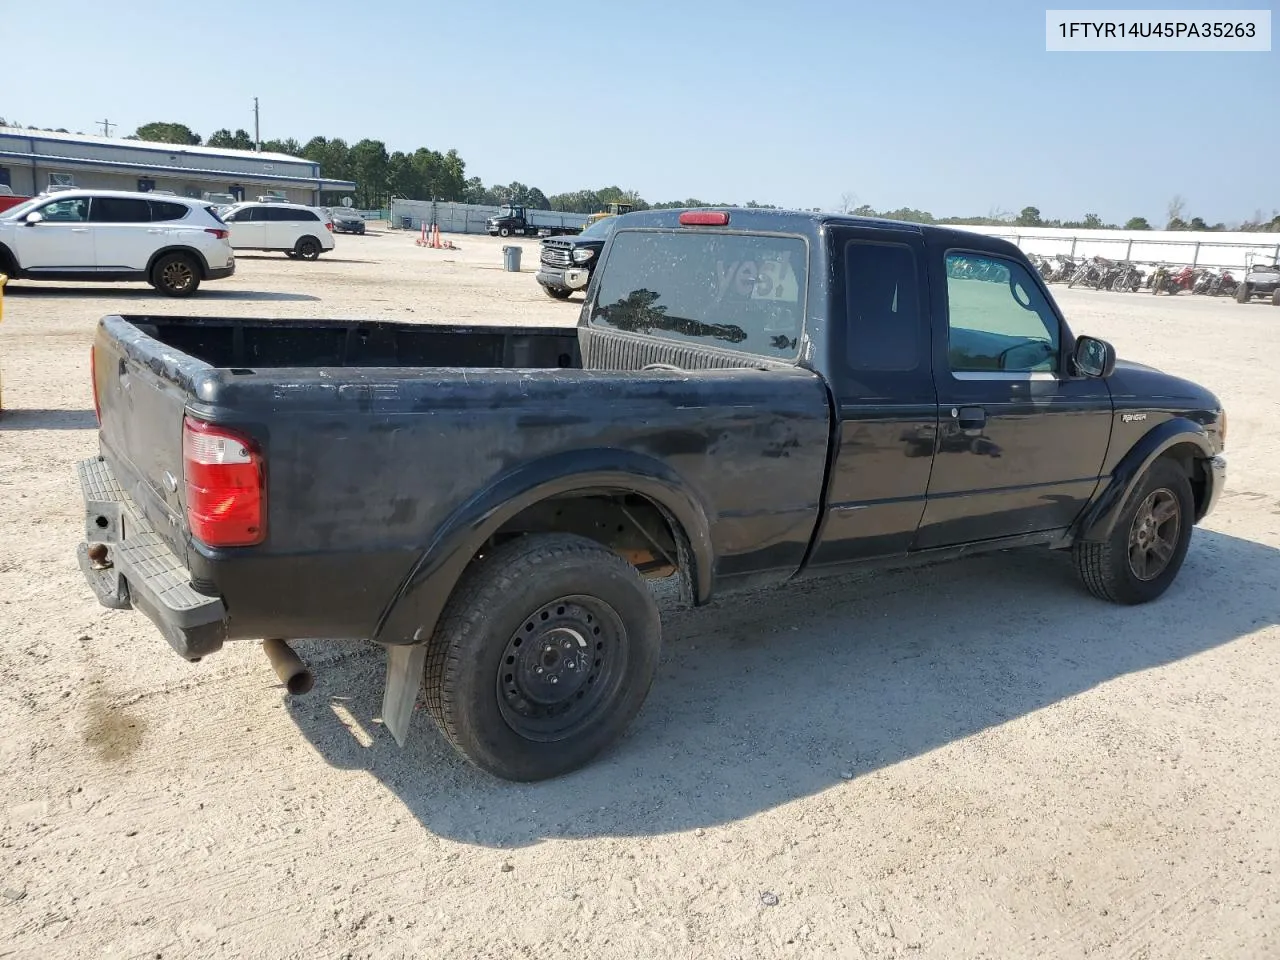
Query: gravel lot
{"points": [[977, 760]]}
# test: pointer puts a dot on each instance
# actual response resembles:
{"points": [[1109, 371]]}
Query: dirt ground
{"points": [[977, 760]]}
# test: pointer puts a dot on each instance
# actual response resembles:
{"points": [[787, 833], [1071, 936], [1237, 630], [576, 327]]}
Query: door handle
{"points": [[79, 229], [155, 230], [971, 420]]}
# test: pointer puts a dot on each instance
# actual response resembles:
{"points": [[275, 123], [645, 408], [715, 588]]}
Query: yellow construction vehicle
{"points": [[611, 210]]}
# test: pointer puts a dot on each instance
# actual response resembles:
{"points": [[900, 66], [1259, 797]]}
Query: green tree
{"points": [[1093, 222], [1137, 223], [225, 139], [370, 166], [168, 133], [1029, 217], [334, 157], [288, 146]]}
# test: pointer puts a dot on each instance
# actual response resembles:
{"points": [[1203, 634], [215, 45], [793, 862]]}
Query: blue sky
{"points": [[954, 108]]}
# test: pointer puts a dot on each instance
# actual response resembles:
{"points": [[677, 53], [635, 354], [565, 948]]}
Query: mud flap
{"points": [[404, 680]]}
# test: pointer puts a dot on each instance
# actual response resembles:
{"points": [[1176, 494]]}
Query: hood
{"points": [[1133, 380]]}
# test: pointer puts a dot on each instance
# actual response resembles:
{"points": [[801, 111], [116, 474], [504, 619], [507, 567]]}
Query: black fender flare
{"points": [[412, 613], [1098, 520], [204, 264]]}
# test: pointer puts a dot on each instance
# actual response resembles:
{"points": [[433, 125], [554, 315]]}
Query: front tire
{"points": [[504, 232], [1145, 551], [543, 656], [176, 275], [556, 293], [1242, 293]]}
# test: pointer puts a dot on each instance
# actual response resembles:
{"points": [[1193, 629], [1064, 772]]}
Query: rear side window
{"points": [[731, 291], [882, 306], [289, 213], [162, 210], [119, 210]]}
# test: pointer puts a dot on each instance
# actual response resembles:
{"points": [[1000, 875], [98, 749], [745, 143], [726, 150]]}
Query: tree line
{"points": [[1030, 217], [427, 174]]}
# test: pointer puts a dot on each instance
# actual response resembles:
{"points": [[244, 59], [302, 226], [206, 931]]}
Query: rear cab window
{"points": [[742, 292], [165, 210]]}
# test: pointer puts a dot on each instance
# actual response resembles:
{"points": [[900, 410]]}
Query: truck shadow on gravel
{"points": [[770, 696]]}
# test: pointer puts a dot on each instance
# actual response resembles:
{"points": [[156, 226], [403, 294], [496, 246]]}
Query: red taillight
{"points": [[223, 472], [330, 226], [93, 378], [704, 218], [220, 234]]}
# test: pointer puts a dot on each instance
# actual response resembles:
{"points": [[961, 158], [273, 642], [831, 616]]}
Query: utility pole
{"points": [[257, 133], [106, 126]]}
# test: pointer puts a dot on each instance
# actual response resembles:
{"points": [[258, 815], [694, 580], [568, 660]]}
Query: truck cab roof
{"points": [[812, 224]]}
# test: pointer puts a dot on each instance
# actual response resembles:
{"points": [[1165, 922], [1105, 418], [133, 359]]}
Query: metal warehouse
{"points": [[32, 161]]}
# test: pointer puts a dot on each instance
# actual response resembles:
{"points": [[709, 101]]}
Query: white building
{"points": [[31, 161]]}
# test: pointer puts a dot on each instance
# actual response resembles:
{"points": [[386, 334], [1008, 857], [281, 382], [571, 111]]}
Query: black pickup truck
{"points": [[565, 264], [749, 397]]}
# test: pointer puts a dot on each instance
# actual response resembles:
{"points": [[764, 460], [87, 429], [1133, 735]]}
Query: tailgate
{"points": [[141, 405]]}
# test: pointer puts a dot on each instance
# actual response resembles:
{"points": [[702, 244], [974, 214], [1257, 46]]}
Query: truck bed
{"points": [[245, 344], [381, 442]]}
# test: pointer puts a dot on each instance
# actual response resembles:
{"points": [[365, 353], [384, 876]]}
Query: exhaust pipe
{"points": [[293, 673]]}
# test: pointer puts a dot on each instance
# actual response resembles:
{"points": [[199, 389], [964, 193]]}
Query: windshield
{"points": [[22, 209], [600, 230]]}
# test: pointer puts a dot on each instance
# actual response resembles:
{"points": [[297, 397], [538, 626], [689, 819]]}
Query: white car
{"points": [[173, 243], [299, 232]]}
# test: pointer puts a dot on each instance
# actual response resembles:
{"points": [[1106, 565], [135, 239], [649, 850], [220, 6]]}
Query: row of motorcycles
{"points": [[1103, 274]]}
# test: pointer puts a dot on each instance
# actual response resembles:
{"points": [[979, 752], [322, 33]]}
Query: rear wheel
{"points": [[544, 655], [176, 275], [1275, 297], [1146, 549], [308, 248], [556, 293]]}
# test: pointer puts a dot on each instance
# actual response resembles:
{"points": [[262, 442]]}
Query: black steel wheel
{"points": [[1148, 543], [544, 654], [561, 668], [176, 275]]}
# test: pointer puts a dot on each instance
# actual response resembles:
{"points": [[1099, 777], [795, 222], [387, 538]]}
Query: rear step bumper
{"points": [[140, 570]]}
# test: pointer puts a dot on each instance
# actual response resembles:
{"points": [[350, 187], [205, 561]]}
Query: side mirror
{"points": [[34, 217], [1094, 357]]}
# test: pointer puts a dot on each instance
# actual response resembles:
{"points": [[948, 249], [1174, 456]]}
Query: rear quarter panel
{"points": [[364, 467]]}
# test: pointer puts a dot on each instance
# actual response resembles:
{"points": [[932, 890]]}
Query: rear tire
{"points": [[1275, 297], [308, 248], [1144, 553], [542, 606], [176, 275]]}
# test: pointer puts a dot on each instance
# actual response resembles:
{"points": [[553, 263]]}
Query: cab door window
{"points": [[998, 320]]}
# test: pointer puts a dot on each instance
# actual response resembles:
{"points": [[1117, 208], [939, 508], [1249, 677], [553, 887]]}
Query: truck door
{"points": [[879, 365], [1021, 441]]}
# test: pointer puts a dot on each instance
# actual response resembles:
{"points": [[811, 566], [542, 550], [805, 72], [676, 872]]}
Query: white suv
{"points": [[300, 232], [171, 243]]}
